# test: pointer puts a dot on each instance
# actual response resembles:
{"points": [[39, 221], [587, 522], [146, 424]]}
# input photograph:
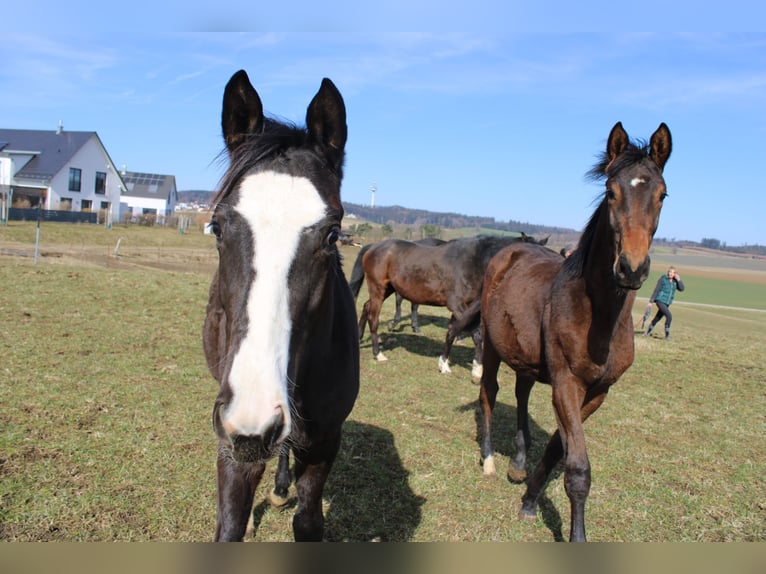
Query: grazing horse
{"points": [[567, 322], [280, 333], [448, 275]]}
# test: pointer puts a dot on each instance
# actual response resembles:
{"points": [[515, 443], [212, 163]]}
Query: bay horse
{"points": [[448, 275], [280, 333], [413, 306], [567, 322]]}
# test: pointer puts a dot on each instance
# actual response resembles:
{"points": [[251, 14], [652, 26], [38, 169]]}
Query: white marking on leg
{"points": [[278, 207], [381, 357], [444, 365], [477, 370], [489, 466]]}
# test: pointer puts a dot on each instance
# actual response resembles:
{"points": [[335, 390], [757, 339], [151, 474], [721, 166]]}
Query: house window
{"points": [[101, 182], [87, 204], [66, 204], [104, 205], [75, 175]]}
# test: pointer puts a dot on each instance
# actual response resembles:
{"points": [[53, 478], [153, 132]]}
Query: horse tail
{"points": [[357, 273]]}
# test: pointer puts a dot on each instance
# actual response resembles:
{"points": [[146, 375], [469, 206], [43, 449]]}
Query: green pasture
{"points": [[106, 433]]}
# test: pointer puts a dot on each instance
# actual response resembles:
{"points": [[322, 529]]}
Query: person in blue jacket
{"points": [[663, 296]]}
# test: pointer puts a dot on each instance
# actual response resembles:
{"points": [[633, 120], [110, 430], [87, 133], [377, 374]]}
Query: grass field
{"points": [[106, 431]]}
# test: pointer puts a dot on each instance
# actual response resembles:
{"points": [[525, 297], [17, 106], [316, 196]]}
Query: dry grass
{"points": [[105, 429]]}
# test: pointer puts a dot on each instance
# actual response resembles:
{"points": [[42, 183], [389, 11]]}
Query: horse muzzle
{"points": [[250, 446], [629, 276]]}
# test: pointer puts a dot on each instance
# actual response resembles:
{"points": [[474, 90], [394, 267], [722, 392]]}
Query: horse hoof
{"points": [[489, 466], [528, 511], [444, 366], [516, 475], [380, 357], [276, 500]]}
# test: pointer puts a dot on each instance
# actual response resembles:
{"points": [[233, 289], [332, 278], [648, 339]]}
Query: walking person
{"points": [[663, 295]]}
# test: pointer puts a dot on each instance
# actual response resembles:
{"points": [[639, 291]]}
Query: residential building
{"points": [[148, 194], [58, 170]]}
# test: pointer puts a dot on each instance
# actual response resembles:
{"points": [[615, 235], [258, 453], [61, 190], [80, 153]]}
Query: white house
{"points": [[66, 170], [149, 194]]}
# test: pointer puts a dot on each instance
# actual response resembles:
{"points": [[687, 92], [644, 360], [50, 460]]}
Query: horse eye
{"points": [[332, 236], [215, 227], [610, 193]]}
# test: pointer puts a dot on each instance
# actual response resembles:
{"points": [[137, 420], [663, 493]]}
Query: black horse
{"points": [[280, 331]]}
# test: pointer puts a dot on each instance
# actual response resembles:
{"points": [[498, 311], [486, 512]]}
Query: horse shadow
{"points": [[367, 495], [401, 336], [503, 434]]}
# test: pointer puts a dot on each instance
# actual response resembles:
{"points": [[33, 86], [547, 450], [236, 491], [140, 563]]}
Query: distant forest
{"points": [[398, 215]]}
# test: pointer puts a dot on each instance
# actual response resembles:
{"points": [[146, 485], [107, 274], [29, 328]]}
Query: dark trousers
{"points": [[662, 311]]}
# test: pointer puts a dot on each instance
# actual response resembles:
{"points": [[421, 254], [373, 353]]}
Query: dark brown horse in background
{"points": [[280, 333], [448, 275], [413, 306], [567, 322]]}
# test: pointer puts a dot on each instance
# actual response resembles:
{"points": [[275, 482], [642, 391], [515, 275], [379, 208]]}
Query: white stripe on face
{"points": [[277, 207]]}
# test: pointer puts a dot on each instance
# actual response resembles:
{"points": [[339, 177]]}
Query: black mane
{"points": [[276, 138]]}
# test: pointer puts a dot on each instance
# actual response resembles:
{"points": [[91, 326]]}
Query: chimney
{"points": [[60, 128]]}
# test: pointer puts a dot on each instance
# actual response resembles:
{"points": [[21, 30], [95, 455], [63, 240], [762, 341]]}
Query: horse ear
{"points": [[242, 113], [214, 332], [617, 142], [660, 146], [326, 122]]}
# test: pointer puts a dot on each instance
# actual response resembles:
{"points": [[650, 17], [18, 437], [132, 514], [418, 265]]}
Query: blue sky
{"points": [[501, 124]]}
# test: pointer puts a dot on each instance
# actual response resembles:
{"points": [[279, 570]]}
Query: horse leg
{"points": [[398, 312], [576, 465], [415, 325], [476, 368], [487, 395], [363, 318], [451, 334], [516, 471], [236, 489], [310, 476], [278, 496], [374, 315]]}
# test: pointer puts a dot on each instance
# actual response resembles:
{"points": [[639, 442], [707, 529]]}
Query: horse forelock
{"points": [[635, 152]]}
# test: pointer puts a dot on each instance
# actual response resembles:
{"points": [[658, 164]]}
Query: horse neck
{"points": [[609, 300]]}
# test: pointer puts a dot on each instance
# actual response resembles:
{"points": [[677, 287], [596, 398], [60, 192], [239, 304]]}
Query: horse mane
{"points": [[635, 152], [275, 138]]}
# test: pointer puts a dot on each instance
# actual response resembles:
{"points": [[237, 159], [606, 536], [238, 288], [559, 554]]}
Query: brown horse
{"points": [[280, 333], [448, 275], [567, 322]]}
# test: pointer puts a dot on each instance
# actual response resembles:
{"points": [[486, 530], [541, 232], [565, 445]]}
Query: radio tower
{"points": [[373, 188]]}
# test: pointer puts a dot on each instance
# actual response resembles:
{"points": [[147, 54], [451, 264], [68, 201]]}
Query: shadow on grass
{"points": [[463, 349], [368, 491], [503, 433]]}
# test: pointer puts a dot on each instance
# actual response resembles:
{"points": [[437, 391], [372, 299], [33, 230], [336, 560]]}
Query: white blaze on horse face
{"points": [[277, 207], [636, 181]]}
